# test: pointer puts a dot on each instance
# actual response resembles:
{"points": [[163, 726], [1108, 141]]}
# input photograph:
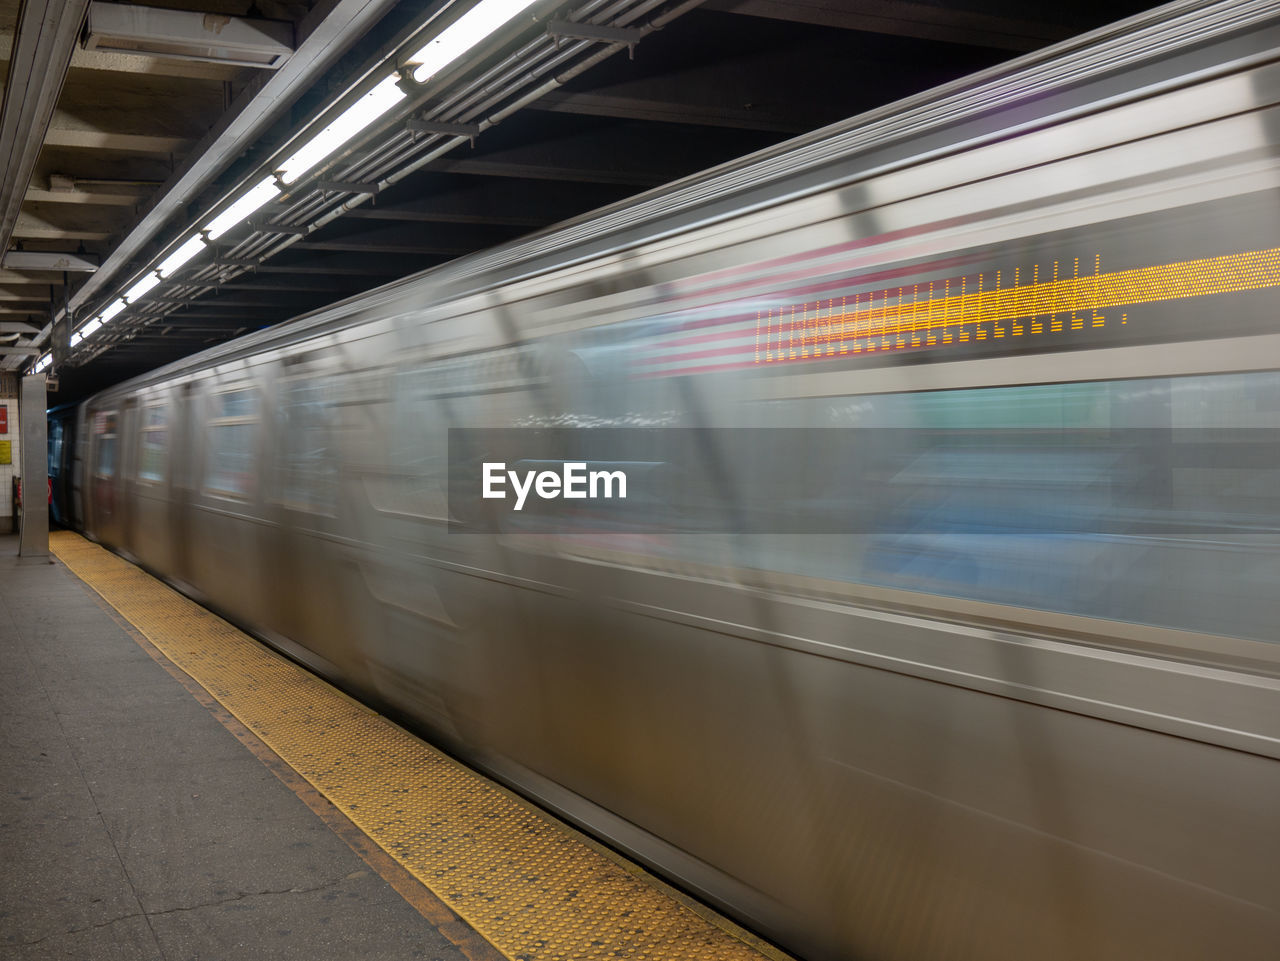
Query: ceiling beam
{"points": [[427, 214], [272, 285], [84, 197], [85, 168], [35, 226], [491, 201], [98, 60], [43, 278], [167, 329], [10, 297], [357, 243], [214, 322], [41, 55], [59, 220], [272, 267], [548, 171], [904, 19], [85, 139], [138, 105], [753, 89], [621, 153], [668, 111], [449, 240], [182, 317], [214, 301]]}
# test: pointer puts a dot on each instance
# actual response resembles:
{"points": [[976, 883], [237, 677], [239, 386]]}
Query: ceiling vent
{"points": [[187, 35]]}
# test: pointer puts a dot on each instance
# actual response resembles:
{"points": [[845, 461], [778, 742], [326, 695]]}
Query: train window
{"points": [[308, 473], [424, 408], [1153, 501], [55, 445], [154, 443], [232, 431], [105, 436]]}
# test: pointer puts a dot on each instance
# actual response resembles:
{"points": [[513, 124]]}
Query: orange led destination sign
{"points": [[949, 312]]}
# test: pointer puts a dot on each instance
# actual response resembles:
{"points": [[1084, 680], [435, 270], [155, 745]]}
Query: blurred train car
{"points": [[1022, 704]]}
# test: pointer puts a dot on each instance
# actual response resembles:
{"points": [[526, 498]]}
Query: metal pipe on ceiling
{"points": [[603, 54], [529, 63], [376, 158], [371, 162], [532, 62], [389, 161], [534, 59], [256, 245]]}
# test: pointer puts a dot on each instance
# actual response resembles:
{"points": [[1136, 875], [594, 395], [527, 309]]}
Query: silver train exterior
{"points": [[989, 736]]}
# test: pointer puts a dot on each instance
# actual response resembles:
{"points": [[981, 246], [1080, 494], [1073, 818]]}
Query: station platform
{"points": [[172, 789]]}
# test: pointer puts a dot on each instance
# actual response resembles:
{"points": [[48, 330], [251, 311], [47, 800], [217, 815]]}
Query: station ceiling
{"points": [[138, 147]]}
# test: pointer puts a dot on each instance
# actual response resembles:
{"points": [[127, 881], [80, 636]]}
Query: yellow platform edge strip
{"points": [[530, 885]]}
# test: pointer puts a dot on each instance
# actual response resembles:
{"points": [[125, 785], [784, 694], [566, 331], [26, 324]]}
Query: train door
{"points": [[306, 566], [182, 458], [104, 476], [79, 459], [151, 541], [227, 562], [127, 480]]}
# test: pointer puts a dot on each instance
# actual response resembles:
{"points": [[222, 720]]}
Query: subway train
{"points": [[952, 630]]}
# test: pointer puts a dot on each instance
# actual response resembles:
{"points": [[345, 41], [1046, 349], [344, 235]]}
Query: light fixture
{"points": [[344, 128], [76, 338], [244, 208], [463, 34], [131, 26], [175, 261], [187, 35], [111, 310], [145, 284], [42, 363]]}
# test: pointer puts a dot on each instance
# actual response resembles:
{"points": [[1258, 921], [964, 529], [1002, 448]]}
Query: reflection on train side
{"points": [[1153, 501]]}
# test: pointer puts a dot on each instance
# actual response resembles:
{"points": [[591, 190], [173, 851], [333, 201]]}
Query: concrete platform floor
{"points": [[135, 826]]}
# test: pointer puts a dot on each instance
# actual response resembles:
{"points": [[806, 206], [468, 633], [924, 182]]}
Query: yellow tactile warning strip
{"points": [[531, 886]]}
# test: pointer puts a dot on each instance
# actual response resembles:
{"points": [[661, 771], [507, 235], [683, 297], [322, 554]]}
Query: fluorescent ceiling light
{"points": [[42, 363], [343, 129], [187, 35], [463, 34], [175, 261], [244, 208], [91, 328], [76, 338], [454, 41], [139, 290], [111, 310]]}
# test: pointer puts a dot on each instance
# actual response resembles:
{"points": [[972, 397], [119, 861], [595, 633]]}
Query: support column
{"points": [[33, 428]]}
